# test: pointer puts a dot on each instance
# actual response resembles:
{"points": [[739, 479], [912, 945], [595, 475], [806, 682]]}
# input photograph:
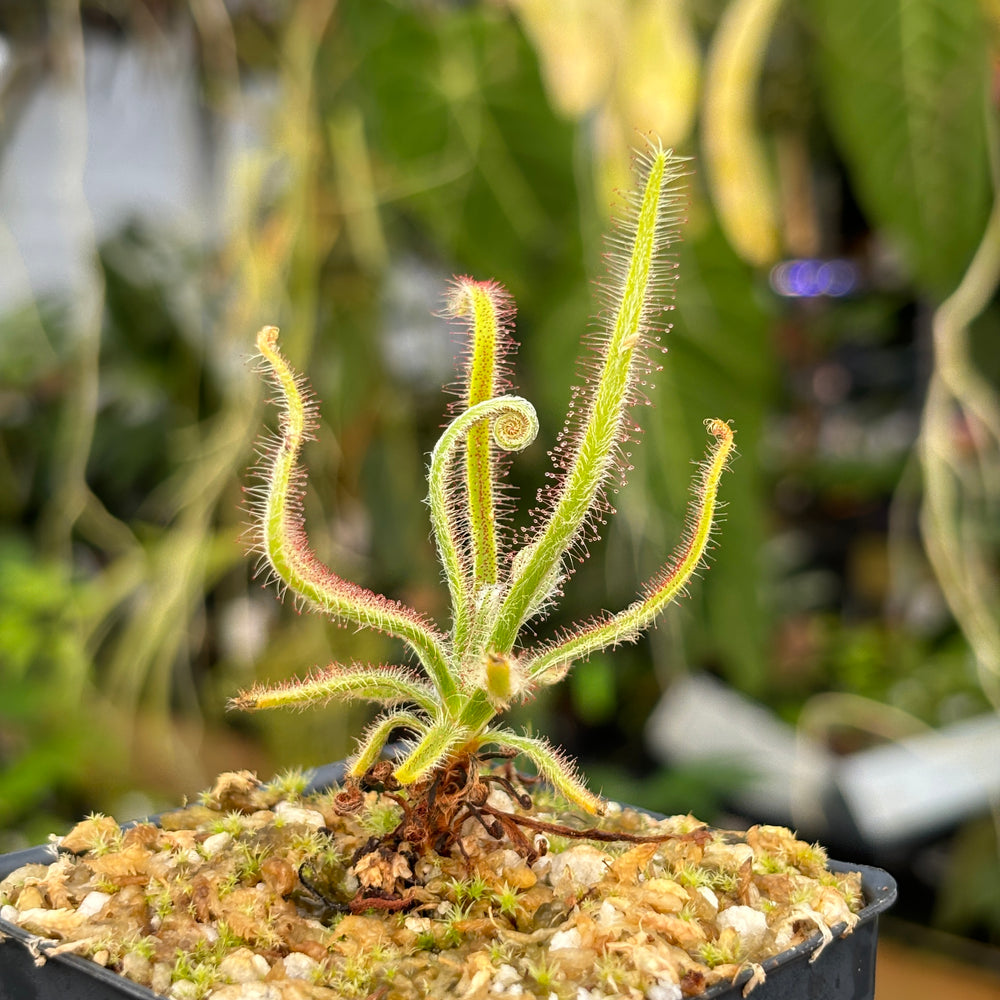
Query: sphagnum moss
{"points": [[665, 918], [435, 874]]}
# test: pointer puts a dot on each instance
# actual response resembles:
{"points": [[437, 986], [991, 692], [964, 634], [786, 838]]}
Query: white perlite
{"points": [[709, 896], [664, 989], [586, 865], [507, 981], [244, 966], [750, 924], [608, 916], [93, 903], [299, 965], [566, 939], [297, 814], [215, 843]]}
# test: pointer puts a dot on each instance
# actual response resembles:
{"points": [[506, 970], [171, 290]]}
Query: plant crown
{"points": [[472, 672]]}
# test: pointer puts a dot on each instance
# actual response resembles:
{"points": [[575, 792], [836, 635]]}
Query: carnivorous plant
{"points": [[498, 580]]}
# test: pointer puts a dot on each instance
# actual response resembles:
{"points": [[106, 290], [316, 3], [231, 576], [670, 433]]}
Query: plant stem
{"points": [[627, 625], [603, 430], [282, 537], [514, 427]]}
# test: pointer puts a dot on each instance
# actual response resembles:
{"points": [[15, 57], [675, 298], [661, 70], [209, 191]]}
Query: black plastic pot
{"points": [[844, 970]]}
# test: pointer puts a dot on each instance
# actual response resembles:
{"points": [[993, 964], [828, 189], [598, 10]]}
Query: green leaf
{"points": [[905, 84], [639, 278], [720, 360], [435, 745]]}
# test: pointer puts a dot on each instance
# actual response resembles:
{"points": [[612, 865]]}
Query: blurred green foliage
{"points": [[905, 87], [46, 743]]}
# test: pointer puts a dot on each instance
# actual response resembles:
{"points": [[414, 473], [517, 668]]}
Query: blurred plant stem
{"points": [[959, 452], [825, 713], [138, 613], [735, 162], [353, 168], [267, 245], [69, 493]]}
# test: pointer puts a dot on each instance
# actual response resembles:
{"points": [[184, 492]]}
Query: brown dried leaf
{"points": [[181, 840], [628, 866], [129, 904], [188, 818], [693, 983], [204, 899], [743, 890], [781, 887], [245, 911], [19, 877], [279, 875], [683, 851], [832, 906], [237, 790], [662, 895], [132, 860], [56, 883], [380, 869], [50, 923], [144, 835], [686, 934], [32, 897], [519, 877], [529, 902], [357, 934], [90, 833]]}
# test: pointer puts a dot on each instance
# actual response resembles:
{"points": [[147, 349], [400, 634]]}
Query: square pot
{"points": [[844, 970]]}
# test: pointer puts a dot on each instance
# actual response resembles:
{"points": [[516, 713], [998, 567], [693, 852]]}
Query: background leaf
{"points": [[903, 82]]}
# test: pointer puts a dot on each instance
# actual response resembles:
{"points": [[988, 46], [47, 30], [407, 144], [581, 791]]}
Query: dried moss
{"points": [[252, 884]]}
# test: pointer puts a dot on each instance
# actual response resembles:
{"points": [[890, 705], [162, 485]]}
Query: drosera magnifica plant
{"points": [[498, 580]]}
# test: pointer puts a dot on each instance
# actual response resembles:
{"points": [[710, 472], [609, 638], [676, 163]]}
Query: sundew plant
{"points": [[498, 579]]}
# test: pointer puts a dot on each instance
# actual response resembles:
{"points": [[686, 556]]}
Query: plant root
{"points": [[434, 813]]}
